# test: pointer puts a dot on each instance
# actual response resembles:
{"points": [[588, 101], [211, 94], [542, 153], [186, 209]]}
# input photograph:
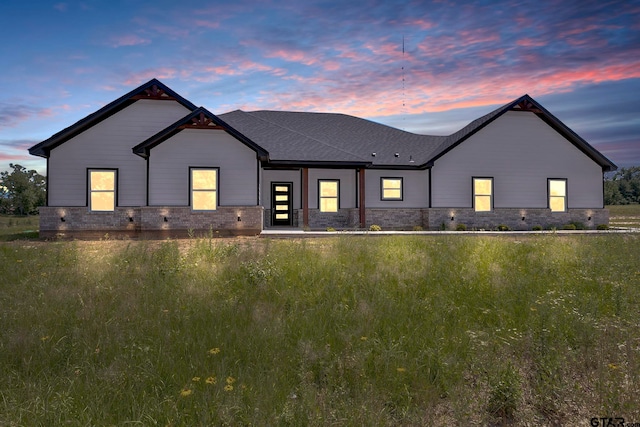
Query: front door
{"points": [[281, 203]]}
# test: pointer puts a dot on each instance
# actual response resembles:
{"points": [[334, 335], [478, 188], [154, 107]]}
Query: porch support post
{"points": [[305, 197], [363, 219]]}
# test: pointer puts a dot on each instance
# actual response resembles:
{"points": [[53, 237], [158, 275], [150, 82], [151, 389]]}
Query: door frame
{"points": [[278, 222]]}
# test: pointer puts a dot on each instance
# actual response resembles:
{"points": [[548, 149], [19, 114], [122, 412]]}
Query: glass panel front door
{"points": [[281, 203]]}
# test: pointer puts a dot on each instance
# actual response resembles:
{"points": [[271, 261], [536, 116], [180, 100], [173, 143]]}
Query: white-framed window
{"points": [[204, 188], [103, 184], [557, 194], [482, 194], [329, 195], [391, 188]]}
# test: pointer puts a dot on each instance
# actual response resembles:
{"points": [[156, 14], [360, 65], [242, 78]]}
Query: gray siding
{"points": [[520, 152], [169, 164], [269, 176], [108, 145], [415, 189], [347, 179]]}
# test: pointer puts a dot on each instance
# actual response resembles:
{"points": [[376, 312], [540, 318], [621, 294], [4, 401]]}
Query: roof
{"points": [[153, 89], [328, 137], [524, 103]]}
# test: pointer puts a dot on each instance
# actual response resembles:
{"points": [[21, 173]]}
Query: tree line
{"points": [[22, 191], [622, 187]]}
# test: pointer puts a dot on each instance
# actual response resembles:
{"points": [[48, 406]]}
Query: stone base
{"points": [[149, 222]]}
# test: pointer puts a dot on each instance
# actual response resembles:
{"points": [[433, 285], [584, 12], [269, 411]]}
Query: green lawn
{"points": [[18, 227], [624, 216], [394, 330]]}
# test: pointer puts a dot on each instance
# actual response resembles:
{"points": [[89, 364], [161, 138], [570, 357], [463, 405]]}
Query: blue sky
{"points": [[62, 60]]}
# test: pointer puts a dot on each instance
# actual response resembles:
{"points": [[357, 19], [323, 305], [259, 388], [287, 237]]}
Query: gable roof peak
{"points": [[153, 89]]}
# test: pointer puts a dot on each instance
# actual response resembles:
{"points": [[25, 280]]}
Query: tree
{"points": [[623, 187], [21, 191]]}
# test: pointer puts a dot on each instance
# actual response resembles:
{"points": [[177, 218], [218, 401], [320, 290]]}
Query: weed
{"points": [[461, 227], [375, 227], [505, 392]]}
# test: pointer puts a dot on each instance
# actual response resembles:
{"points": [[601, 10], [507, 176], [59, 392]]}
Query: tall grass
{"points": [[412, 330]]}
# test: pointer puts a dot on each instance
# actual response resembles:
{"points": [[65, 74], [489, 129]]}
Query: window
{"points": [[102, 190], [328, 191], [482, 194], [204, 189], [558, 195], [391, 188]]}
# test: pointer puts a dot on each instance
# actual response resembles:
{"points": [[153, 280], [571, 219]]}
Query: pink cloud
{"points": [[128, 40], [148, 74], [206, 24], [527, 42]]}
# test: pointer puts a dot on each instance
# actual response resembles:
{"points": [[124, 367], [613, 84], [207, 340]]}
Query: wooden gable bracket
{"points": [[201, 122], [154, 92], [525, 105]]}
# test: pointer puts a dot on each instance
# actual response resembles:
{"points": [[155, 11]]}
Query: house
{"points": [[151, 162]]}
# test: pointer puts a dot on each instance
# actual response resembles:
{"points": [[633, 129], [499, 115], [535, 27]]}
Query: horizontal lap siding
{"points": [[169, 164], [271, 175], [108, 145], [415, 189], [520, 152]]}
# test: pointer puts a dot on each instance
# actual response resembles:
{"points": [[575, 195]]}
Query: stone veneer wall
{"points": [[435, 218], [441, 218], [166, 221]]}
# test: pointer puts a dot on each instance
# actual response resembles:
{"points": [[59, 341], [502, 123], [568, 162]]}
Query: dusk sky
{"points": [[62, 60]]}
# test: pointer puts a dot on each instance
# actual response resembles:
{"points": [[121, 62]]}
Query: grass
{"points": [[18, 227], [624, 216], [393, 330]]}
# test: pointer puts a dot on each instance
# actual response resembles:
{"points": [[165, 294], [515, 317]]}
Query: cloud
{"points": [[11, 114], [127, 40]]}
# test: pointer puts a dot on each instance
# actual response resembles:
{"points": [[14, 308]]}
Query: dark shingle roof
{"points": [[153, 88], [328, 137]]}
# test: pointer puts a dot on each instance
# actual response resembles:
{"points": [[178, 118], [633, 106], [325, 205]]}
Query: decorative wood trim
{"points": [[154, 92], [200, 122], [526, 105]]}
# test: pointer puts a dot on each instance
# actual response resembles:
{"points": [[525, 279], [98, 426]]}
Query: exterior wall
{"points": [[348, 184], [276, 175], [149, 221], [169, 164], [398, 218], [108, 145], [441, 218], [415, 189], [520, 152]]}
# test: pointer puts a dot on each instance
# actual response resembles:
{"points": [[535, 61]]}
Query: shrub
{"points": [[375, 227], [537, 228], [602, 227], [331, 229], [579, 225], [418, 228], [569, 226], [503, 227], [461, 227]]}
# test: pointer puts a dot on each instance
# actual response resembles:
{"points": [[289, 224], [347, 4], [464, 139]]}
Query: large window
{"points": [[482, 194], [329, 195], [204, 189], [102, 190], [558, 195], [391, 188]]}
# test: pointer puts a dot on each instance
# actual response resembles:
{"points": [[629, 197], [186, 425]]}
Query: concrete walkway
{"points": [[283, 233]]}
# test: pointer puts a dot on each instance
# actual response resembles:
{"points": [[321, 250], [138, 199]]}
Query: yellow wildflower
{"points": [[211, 380], [228, 387], [363, 338], [612, 366], [214, 350], [230, 380], [185, 392], [195, 379], [45, 338], [401, 370]]}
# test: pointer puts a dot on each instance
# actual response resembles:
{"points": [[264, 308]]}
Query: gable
{"points": [[153, 90]]}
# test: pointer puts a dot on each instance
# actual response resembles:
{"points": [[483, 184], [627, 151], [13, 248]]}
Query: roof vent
{"points": [[373, 154], [397, 154]]}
